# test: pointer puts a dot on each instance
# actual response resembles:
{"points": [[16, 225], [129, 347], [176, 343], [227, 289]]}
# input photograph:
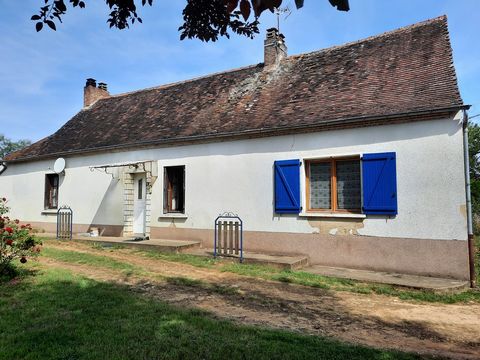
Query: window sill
{"points": [[173, 216], [49, 212], [332, 215]]}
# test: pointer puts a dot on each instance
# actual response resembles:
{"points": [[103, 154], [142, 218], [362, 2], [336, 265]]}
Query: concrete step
{"points": [[287, 262], [434, 284], [163, 245]]}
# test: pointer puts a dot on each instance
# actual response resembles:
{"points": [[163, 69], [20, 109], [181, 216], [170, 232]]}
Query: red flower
{"points": [[9, 230], [9, 242], [16, 221], [22, 227]]}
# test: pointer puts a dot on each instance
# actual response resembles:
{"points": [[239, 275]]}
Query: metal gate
{"points": [[228, 236], [64, 223]]}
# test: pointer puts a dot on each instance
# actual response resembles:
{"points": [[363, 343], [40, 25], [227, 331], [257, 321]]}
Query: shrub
{"points": [[16, 241]]}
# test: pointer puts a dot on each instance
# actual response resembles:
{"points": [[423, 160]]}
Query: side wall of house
{"points": [[427, 236]]}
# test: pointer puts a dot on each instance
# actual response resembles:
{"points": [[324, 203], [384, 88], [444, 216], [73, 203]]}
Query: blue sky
{"points": [[43, 74]]}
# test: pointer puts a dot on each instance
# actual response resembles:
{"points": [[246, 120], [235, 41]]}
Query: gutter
{"points": [[250, 133], [471, 242], [3, 165]]}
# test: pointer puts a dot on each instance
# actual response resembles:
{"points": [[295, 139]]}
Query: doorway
{"points": [[139, 197]]}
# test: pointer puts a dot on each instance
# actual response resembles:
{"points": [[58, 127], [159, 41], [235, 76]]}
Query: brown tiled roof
{"points": [[409, 70]]}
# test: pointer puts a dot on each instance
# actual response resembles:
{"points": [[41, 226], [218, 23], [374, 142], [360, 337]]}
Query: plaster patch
{"points": [[336, 227], [463, 211]]}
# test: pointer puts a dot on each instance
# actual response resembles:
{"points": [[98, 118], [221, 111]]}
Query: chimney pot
{"points": [[92, 93], [91, 82], [275, 49]]}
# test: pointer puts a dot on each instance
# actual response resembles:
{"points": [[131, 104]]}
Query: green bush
{"points": [[16, 242]]}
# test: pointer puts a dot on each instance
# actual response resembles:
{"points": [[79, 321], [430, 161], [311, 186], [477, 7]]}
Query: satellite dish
{"points": [[59, 165]]}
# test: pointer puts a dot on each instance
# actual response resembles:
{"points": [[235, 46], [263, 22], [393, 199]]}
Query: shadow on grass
{"points": [[58, 315]]}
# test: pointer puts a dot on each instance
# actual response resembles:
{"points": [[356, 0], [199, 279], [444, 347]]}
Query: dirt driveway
{"points": [[373, 320]]}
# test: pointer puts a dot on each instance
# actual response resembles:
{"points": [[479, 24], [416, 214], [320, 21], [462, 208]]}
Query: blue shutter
{"points": [[379, 177], [287, 187]]}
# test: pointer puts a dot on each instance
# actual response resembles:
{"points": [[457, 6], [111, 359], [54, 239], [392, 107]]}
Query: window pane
{"points": [[140, 188], [320, 185], [348, 184], [174, 189]]}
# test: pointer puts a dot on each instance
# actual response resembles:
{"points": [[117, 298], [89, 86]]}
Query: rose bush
{"points": [[16, 241]]}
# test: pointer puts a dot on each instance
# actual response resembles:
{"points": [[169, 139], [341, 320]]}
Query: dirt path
{"points": [[374, 320]]}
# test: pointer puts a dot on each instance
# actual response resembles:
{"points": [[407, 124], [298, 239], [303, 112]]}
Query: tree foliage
{"points": [[474, 159], [7, 146], [203, 19]]}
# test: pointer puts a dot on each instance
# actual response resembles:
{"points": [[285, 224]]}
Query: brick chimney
{"points": [[92, 93], [275, 48]]}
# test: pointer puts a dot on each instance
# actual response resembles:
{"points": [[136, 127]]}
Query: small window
{"points": [[334, 185], [51, 191], [174, 189], [140, 188]]}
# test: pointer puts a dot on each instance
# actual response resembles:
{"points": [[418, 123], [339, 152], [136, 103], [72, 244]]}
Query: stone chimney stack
{"points": [[275, 48], [92, 93]]}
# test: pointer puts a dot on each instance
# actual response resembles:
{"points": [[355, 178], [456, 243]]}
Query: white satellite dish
{"points": [[59, 165]]}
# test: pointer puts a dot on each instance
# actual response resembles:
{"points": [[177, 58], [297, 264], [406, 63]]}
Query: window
{"points": [[174, 189], [51, 191], [334, 185], [140, 188]]}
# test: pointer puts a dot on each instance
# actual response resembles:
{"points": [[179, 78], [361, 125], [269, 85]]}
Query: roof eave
{"points": [[359, 121]]}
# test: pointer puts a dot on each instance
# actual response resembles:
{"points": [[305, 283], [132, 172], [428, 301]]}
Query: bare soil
{"points": [[447, 330]]}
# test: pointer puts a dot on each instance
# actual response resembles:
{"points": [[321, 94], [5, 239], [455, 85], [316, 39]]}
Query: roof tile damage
{"points": [[403, 71]]}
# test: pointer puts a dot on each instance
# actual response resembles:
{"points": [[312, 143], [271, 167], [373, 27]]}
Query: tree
{"points": [[203, 19], [7, 146], [474, 155]]}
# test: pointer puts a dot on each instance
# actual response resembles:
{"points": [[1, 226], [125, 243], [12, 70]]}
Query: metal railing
{"points": [[64, 222], [228, 236]]}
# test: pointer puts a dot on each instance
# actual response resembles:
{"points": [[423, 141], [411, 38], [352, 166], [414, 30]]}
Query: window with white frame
{"points": [[333, 185]]}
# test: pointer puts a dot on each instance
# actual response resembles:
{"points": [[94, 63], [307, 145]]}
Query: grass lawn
{"points": [[318, 281], [54, 314], [263, 272]]}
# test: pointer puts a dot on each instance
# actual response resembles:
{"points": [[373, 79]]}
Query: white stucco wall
{"points": [[237, 176]]}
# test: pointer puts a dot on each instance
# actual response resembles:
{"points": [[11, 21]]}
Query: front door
{"points": [[139, 194]]}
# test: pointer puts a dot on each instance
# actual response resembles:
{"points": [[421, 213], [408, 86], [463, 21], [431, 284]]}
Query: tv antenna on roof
{"points": [[280, 11]]}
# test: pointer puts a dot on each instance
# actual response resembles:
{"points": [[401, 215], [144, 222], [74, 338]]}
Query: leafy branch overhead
{"points": [[203, 19]]}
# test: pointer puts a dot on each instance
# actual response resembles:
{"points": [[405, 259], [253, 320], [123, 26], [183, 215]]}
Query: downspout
{"points": [[471, 243], [3, 165]]}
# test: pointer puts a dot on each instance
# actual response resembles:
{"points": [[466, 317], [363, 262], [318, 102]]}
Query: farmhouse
{"points": [[351, 155]]}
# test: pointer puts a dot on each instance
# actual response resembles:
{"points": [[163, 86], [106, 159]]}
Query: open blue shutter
{"points": [[379, 179], [287, 187]]}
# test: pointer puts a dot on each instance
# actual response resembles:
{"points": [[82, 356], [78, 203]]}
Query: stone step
{"points": [[163, 245], [287, 262], [433, 284]]}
